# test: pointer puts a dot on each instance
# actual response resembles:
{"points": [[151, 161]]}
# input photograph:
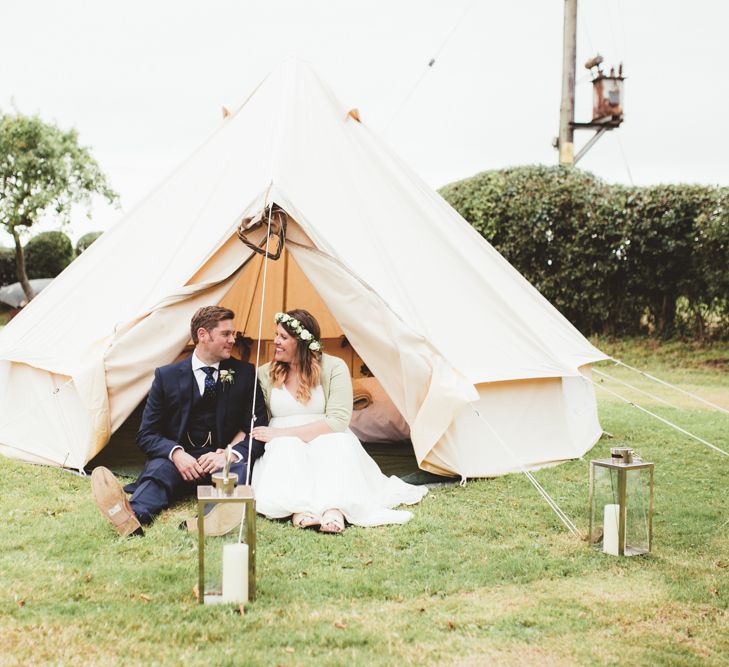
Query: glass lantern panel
{"points": [[637, 518], [602, 510], [213, 583]]}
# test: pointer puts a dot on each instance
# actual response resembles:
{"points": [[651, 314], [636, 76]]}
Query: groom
{"points": [[195, 408]]}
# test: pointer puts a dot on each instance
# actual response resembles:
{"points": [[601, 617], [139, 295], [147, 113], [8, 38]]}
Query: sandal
{"points": [[305, 520], [332, 521]]}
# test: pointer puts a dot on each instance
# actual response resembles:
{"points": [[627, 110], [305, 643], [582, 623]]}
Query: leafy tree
{"points": [[85, 241], [47, 254], [43, 169]]}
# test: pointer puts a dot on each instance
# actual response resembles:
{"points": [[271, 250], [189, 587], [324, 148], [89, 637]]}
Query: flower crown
{"points": [[301, 333]]}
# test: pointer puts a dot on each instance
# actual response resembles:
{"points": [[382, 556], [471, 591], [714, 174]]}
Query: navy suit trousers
{"points": [[161, 484]]}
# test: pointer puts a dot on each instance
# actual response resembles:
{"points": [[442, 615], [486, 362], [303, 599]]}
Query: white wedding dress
{"points": [[330, 471]]}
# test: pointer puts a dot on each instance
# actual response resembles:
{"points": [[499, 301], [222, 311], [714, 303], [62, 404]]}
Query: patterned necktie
{"points": [[209, 381]]}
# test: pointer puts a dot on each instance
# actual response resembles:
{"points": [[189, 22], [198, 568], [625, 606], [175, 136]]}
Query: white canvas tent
{"points": [[440, 318]]}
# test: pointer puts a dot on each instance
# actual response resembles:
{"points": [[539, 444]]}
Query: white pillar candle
{"points": [[235, 573], [610, 529]]}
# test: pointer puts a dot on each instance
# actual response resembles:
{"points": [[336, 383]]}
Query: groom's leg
{"points": [[157, 487]]}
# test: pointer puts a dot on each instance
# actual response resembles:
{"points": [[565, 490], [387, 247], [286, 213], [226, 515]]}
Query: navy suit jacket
{"points": [[167, 411]]}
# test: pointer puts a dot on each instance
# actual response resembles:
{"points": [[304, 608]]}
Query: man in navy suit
{"points": [[195, 408]]}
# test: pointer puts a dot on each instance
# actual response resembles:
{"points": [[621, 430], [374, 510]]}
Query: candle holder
{"points": [[621, 503], [226, 563]]}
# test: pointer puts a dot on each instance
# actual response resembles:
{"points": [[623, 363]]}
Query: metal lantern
{"points": [[621, 503], [226, 563]]}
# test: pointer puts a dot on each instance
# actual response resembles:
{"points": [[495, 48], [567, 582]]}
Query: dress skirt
{"points": [[332, 471]]}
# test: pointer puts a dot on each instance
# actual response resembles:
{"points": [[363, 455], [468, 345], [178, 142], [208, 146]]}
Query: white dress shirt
{"points": [[199, 373]]}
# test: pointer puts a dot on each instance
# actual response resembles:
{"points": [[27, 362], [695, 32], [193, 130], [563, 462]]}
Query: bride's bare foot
{"points": [[305, 520], [332, 521]]}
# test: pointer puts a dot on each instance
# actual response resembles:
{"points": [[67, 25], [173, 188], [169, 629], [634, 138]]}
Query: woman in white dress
{"points": [[314, 468]]}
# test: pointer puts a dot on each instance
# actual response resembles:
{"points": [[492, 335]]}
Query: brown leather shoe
{"points": [[221, 520], [113, 504]]}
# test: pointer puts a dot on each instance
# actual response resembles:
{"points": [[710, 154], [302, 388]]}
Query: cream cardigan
{"points": [[337, 386]]}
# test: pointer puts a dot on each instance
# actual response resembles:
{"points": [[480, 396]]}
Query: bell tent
{"points": [[490, 377]]}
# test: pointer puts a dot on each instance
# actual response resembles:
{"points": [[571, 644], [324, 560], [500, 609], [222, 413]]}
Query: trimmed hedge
{"points": [[85, 241], [7, 266], [47, 254], [612, 259]]}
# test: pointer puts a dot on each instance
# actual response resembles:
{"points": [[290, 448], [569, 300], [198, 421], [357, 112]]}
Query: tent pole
{"points": [[258, 346], [285, 280]]}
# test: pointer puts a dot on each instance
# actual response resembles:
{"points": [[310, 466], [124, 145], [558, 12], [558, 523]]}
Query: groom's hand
{"points": [[213, 461], [187, 465]]}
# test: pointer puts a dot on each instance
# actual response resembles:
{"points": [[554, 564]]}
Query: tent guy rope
{"points": [[659, 418], [561, 515], [638, 389], [672, 386]]}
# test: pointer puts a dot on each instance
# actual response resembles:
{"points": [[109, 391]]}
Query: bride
{"points": [[314, 468]]}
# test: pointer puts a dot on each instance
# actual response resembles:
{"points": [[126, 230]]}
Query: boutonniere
{"points": [[227, 377]]}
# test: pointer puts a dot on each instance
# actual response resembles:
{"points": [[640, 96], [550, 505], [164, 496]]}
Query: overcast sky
{"points": [[144, 81]]}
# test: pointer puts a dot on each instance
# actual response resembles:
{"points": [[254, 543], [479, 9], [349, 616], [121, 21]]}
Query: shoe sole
{"points": [[112, 502]]}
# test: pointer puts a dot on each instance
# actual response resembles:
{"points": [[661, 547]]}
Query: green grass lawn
{"points": [[482, 574]]}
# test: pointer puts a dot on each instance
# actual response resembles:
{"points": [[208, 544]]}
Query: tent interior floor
{"points": [[123, 457]]}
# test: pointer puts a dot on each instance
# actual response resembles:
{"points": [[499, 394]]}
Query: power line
{"points": [[621, 25], [583, 22], [430, 64], [611, 23]]}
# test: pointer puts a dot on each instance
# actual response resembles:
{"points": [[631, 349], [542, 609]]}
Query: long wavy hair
{"points": [[308, 361]]}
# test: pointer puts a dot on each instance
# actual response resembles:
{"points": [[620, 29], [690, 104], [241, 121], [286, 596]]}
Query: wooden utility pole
{"points": [[569, 63]]}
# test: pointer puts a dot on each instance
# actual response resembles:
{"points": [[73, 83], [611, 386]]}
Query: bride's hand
{"points": [[265, 433]]}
